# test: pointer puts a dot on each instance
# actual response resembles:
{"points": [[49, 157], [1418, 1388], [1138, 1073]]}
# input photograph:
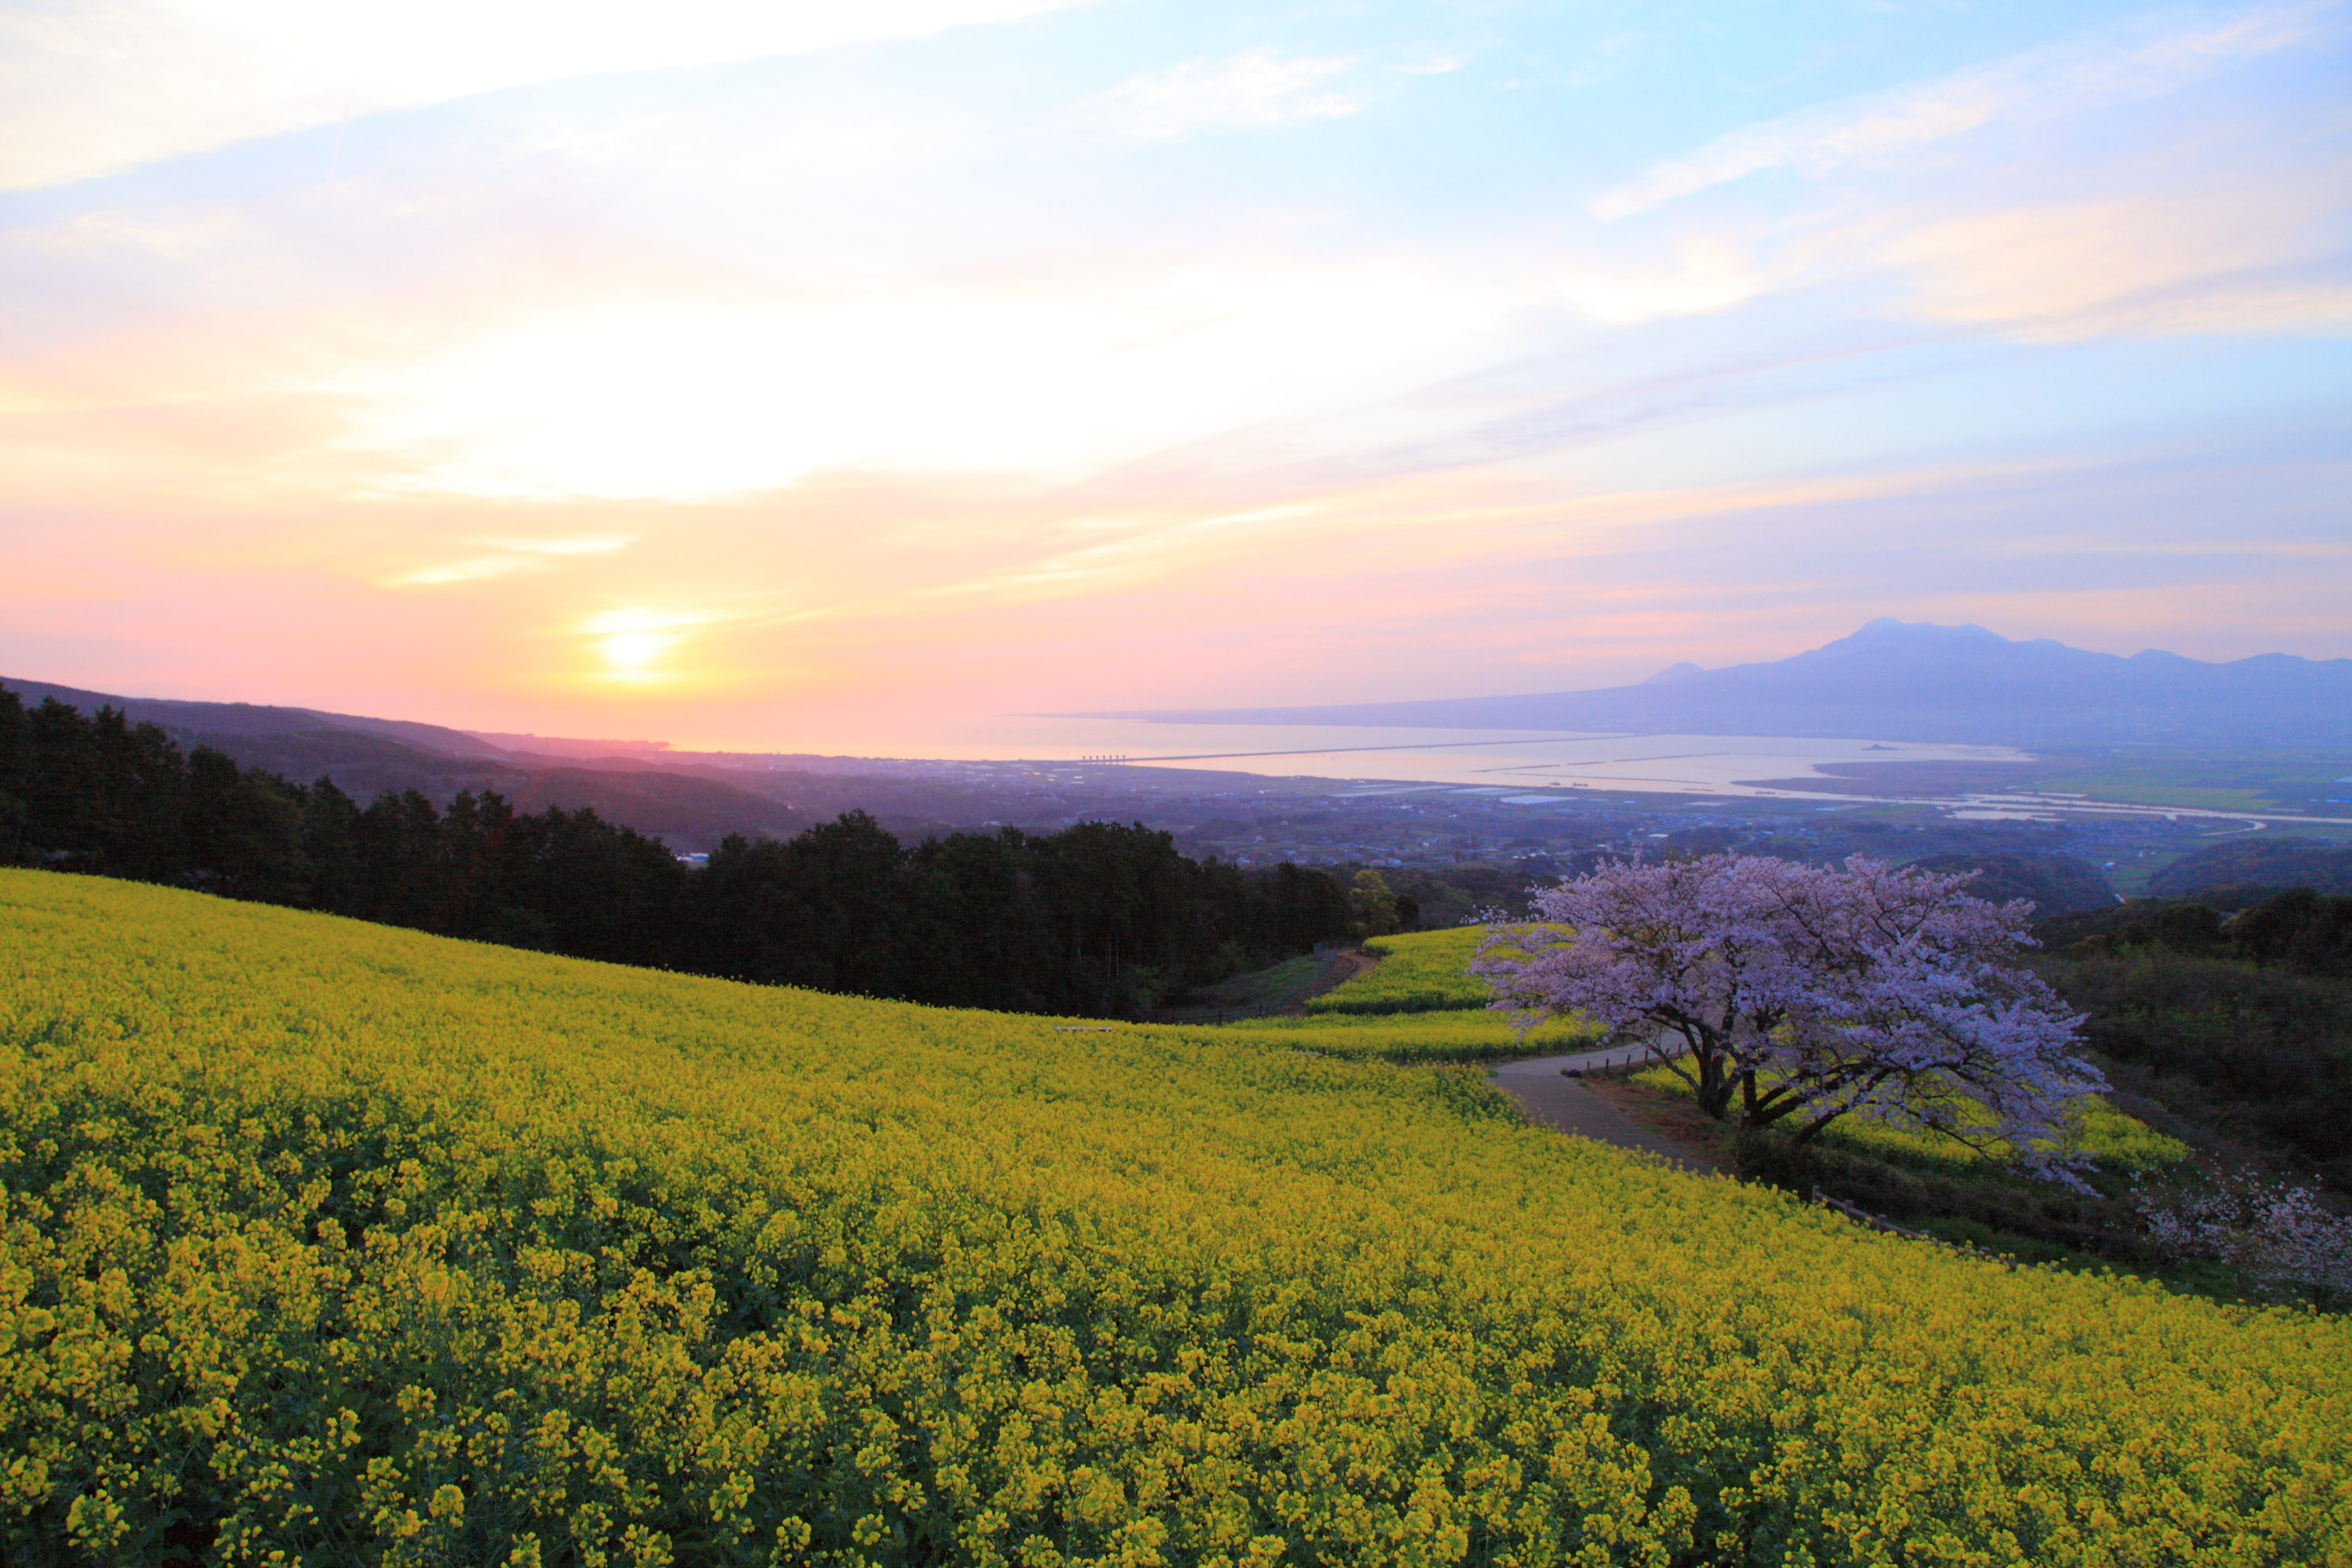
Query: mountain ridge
{"points": [[366, 757], [211, 719], [1910, 681]]}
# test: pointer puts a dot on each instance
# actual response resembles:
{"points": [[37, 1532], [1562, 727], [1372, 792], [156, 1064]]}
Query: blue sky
{"points": [[761, 375]]}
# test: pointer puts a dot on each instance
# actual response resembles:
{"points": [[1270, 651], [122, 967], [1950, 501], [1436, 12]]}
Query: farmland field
{"points": [[1418, 972], [1453, 1035], [332, 1243], [1417, 1005]]}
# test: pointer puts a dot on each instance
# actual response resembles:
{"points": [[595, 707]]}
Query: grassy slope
{"points": [[372, 1246], [1956, 1194], [1416, 1004], [1278, 987]]}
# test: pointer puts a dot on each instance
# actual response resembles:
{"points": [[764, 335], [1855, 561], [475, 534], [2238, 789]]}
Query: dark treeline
{"points": [[1097, 918], [2300, 929], [2243, 1023]]}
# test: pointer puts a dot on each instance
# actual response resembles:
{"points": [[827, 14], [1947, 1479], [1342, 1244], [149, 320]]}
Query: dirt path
{"points": [[1548, 1098], [1338, 968], [1545, 1095], [1567, 1106], [1342, 967]]}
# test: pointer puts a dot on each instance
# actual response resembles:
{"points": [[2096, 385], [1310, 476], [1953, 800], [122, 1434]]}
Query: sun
{"points": [[635, 643], [631, 655]]}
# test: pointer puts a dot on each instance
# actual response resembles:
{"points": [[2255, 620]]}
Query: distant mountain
{"points": [[691, 799], [1912, 681]]}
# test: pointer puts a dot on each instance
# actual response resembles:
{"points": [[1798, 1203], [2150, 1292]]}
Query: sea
{"points": [[1502, 763]]}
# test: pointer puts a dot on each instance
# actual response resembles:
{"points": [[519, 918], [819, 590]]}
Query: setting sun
{"points": [[633, 642]]}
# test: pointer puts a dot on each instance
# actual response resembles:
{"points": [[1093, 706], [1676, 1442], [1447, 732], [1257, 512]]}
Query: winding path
{"points": [[1549, 1099]]}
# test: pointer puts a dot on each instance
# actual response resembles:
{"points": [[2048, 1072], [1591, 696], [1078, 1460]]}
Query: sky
{"points": [[793, 376]]}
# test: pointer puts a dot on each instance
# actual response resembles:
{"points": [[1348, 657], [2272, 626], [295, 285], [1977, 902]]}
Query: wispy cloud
{"points": [[2238, 258], [597, 544], [1254, 89], [2056, 79], [97, 86], [506, 557]]}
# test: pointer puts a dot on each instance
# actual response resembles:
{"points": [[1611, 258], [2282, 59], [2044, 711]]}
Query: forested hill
{"points": [[368, 757], [1097, 918], [2258, 863], [2054, 884], [226, 718], [1909, 682]]}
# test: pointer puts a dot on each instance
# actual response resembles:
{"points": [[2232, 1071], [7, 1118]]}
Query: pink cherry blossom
{"points": [[1800, 993]]}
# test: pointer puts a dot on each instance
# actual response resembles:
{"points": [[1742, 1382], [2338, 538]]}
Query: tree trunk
{"points": [[1714, 1085]]}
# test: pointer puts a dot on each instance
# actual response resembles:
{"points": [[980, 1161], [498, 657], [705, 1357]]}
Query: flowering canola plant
{"points": [[1419, 1004], [1418, 971], [1450, 1036], [329, 1243]]}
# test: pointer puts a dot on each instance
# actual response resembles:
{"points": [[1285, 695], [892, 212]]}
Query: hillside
{"points": [[2258, 863], [250, 719], [1417, 1005], [350, 1243], [1912, 681], [2055, 884], [367, 757]]}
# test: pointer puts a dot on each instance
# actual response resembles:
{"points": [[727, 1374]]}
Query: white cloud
{"points": [[475, 569], [1257, 88], [2060, 78], [1055, 375], [92, 87]]}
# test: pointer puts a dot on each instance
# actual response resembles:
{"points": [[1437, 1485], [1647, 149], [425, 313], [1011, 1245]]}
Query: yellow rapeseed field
{"points": [[1426, 971], [1419, 1002], [327, 1242]]}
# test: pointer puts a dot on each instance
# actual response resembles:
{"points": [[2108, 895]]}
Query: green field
{"points": [[2219, 780], [1417, 1005], [1418, 971], [329, 1243], [1440, 1037], [1283, 985], [2114, 1142]]}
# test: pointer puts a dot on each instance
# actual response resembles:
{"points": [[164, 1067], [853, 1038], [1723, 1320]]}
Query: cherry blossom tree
{"points": [[1802, 994], [2278, 1234]]}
